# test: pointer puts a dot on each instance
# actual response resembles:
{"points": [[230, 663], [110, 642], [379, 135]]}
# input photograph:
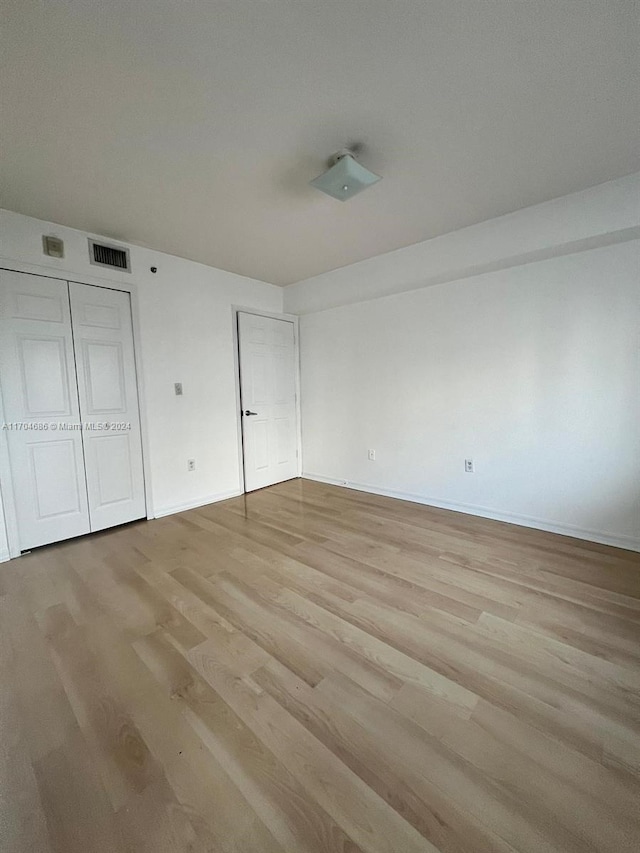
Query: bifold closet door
{"points": [[41, 412], [107, 388]]}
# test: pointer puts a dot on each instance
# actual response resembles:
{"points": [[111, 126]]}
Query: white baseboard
{"points": [[630, 543], [203, 501], [4, 555]]}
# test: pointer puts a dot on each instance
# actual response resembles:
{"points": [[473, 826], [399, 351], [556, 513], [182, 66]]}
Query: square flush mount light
{"points": [[345, 178]]}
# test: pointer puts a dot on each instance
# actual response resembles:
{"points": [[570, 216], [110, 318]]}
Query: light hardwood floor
{"points": [[315, 669]]}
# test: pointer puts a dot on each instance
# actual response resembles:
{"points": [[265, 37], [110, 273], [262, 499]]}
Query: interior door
{"points": [[268, 394], [103, 338], [40, 400]]}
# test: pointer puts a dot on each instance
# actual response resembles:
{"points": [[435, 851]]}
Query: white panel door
{"points": [[103, 338], [268, 392], [42, 418]]}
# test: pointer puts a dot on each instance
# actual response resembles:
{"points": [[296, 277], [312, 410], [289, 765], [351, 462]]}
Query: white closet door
{"points": [[40, 401], [268, 391], [107, 387]]}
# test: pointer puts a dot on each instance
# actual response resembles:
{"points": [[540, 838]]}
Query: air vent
{"points": [[109, 256]]}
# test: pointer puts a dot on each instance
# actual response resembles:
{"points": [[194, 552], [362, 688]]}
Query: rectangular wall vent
{"points": [[104, 255]]}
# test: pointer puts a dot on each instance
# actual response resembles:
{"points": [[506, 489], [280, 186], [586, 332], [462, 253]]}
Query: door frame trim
{"points": [[290, 318], [7, 491], [7, 498]]}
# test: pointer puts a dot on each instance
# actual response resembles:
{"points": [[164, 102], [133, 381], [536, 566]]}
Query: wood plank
{"points": [[314, 669], [298, 823], [23, 823]]}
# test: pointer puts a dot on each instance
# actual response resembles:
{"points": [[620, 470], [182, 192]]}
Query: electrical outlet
{"points": [[371, 456], [191, 464], [468, 466], [177, 387]]}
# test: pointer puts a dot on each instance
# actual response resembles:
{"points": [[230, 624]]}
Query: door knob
{"points": [[248, 413]]}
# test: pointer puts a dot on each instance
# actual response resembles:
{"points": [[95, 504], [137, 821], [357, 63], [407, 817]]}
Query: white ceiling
{"points": [[194, 127]]}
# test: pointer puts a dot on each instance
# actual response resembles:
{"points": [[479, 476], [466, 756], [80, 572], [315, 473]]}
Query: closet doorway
{"points": [[70, 407]]}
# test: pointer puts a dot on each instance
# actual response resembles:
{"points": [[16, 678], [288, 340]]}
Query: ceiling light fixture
{"points": [[345, 177]]}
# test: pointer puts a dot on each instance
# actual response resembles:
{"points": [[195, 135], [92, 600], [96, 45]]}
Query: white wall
{"points": [[526, 359], [532, 370], [186, 335], [601, 215]]}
